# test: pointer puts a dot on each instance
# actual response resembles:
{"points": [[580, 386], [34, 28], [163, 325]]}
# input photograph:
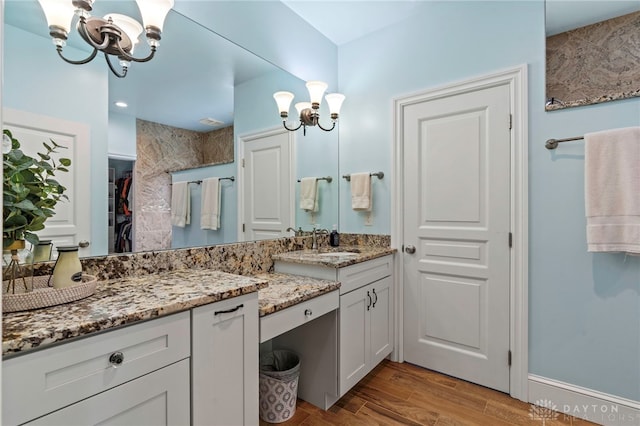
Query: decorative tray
{"points": [[43, 296]]}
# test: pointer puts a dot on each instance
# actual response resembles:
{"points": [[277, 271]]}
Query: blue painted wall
{"points": [[122, 135], [584, 308], [76, 93]]}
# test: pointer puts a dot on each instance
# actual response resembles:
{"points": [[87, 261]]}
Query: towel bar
{"points": [[327, 178], [198, 182], [379, 175], [553, 143]]}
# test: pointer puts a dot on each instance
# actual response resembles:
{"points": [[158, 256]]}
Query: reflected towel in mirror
{"points": [[309, 194], [210, 209], [180, 204]]}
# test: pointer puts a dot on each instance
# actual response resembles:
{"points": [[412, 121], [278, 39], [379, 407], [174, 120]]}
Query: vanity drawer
{"points": [[282, 321], [40, 382], [355, 276]]}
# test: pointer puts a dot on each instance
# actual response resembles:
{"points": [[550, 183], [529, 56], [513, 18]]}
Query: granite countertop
{"points": [[334, 257], [286, 290], [120, 302]]}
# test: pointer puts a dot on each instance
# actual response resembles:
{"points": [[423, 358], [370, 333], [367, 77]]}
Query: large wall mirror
{"points": [[195, 75], [593, 52]]}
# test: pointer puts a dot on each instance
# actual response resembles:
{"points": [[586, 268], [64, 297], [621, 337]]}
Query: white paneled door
{"points": [[71, 224], [456, 234], [268, 185]]}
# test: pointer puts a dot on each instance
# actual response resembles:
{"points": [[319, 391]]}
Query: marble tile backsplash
{"points": [[248, 258]]}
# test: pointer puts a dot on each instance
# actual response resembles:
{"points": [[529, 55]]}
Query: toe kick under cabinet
{"points": [[365, 318], [193, 367]]}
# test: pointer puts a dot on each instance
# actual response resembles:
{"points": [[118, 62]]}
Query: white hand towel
{"points": [[210, 208], [309, 194], [612, 190], [361, 191], [180, 204]]}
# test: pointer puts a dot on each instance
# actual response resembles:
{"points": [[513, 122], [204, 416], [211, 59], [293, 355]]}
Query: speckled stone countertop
{"points": [[122, 301], [334, 257], [286, 290]]}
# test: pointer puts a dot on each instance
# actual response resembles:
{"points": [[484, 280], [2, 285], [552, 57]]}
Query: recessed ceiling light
{"points": [[121, 104]]}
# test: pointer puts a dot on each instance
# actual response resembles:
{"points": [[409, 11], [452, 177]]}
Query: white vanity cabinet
{"points": [[365, 315], [133, 375], [224, 362]]}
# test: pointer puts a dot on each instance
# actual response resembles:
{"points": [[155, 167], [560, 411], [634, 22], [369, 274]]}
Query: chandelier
{"points": [[113, 35], [308, 112]]}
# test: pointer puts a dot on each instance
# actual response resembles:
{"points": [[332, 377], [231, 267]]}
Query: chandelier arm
{"points": [[82, 29], [284, 123], [326, 130], [113, 70], [81, 62], [126, 56]]}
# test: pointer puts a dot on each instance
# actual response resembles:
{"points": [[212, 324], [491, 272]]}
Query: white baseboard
{"points": [[583, 403]]}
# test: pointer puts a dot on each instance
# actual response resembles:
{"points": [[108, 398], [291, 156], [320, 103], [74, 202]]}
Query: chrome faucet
{"points": [[298, 232], [314, 234]]}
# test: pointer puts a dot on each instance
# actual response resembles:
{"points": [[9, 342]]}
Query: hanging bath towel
{"points": [[180, 204], [361, 191], [210, 209], [612, 190]]}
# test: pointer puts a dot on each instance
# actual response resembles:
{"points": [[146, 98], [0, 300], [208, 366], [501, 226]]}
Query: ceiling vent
{"points": [[211, 122]]}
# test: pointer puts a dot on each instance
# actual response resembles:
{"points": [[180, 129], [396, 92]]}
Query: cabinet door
{"points": [[158, 398], [381, 315], [354, 337], [225, 362]]}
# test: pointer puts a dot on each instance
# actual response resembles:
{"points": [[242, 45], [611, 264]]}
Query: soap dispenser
{"points": [[334, 237]]}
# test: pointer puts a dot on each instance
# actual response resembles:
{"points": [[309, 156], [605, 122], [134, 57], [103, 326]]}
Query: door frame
{"points": [[248, 137], [516, 78]]}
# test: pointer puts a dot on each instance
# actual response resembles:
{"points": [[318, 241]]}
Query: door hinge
{"points": [[243, 162], [509, 358], [243, 227], [510, 121], [510, 239]]}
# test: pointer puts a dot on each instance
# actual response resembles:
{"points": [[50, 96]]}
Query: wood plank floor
{"points": [[403, 394]]}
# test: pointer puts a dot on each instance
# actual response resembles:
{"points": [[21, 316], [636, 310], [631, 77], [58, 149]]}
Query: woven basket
{"points": [[43, 296]]}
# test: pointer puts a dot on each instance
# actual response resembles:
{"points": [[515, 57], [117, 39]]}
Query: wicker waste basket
{"points": [[279, 372]]}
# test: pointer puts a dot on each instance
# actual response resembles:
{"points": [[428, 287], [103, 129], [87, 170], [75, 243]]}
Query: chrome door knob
{"points": [[410, 249], [84, 243]]}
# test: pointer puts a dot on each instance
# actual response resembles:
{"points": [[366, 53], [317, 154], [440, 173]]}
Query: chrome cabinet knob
{"points": [[307, 312], [410, 249], [116, 359]]}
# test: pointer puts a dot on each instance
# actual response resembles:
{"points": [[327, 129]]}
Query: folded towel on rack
{"points": [[309, 194], [180, 204], [210, 208], [612, 190], [361, 191]]}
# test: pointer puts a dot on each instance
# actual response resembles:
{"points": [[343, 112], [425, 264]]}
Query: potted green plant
{"points": [[30, 194]]}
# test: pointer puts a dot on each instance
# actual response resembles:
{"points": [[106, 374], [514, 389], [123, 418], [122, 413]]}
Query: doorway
{"points": [[460, 221], [121, 230]]}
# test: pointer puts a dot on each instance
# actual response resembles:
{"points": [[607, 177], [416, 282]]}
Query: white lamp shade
{"points": [[283, 99], [58, 13], [300, 106], [130, 26], [154, 12], [316, 90], [335, 102]]}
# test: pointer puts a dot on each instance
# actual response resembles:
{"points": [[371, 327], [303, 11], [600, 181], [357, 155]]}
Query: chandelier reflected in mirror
{"points": [[113, 35], [308, 112]]}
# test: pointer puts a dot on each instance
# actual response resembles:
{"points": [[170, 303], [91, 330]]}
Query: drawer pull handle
{"points": [[228, 311], [375, 301], [369, 301], [307, 312], [116, 359]]}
